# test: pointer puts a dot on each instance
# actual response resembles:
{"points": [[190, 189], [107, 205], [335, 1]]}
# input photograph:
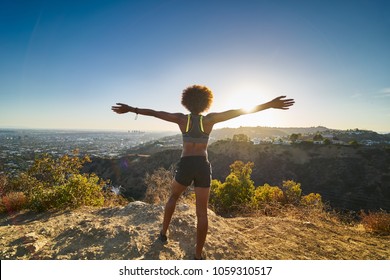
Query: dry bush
{"points": [[13, 201], [377, 222], [111, 199], [189, 196], [267, 209], [307, 214], [158, 186]]}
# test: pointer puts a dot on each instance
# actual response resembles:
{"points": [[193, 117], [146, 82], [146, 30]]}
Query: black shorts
{"points": [[195, 169]]}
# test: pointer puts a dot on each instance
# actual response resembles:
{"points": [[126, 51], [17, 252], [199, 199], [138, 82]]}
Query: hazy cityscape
{"points": [[18, 148]]}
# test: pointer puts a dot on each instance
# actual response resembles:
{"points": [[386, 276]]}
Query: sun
{"points": [[246, 97], [249, 108]]}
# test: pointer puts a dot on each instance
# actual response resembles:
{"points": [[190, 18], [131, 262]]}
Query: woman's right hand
{"points": [[121, 108]]}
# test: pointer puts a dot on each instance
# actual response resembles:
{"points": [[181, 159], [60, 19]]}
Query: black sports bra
{"points": [[196, 133]]}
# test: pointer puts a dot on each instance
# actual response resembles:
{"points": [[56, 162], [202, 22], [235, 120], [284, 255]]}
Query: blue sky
{"points": [[63, 64]]}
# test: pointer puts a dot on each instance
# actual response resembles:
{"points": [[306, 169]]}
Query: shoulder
{"points": [[181, 118], [212, 117], [209, 118], [171, 117]]}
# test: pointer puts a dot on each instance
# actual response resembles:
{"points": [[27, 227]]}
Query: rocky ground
{"points": [[130, 232]]}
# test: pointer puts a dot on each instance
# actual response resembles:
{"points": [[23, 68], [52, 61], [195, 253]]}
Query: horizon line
{"points": [[174, 131]]}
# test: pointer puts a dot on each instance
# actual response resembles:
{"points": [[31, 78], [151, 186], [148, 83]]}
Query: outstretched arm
{"points": [[121, 108], [277, 103]]}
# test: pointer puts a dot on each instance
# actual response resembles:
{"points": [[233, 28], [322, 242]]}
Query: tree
{"points": [[353, 143], [318, 137], [294, 137], [241, 138]]}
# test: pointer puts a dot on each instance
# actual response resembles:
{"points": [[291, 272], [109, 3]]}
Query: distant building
{"points": [[256, 141]]}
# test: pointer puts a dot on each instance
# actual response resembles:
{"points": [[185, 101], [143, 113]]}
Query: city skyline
{"points": [[65, 64]]}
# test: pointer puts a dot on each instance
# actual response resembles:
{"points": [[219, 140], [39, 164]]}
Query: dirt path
{"points": [[130, 233]]}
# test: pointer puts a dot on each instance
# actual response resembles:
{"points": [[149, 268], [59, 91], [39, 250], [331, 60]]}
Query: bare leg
{"points": [[177, 190], [202, 199]]}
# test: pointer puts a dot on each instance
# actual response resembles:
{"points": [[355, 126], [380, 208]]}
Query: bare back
{"points": [[196, 149]]}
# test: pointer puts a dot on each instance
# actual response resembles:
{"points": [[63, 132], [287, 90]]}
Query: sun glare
{"points": [[249, 109], [246, 97]]}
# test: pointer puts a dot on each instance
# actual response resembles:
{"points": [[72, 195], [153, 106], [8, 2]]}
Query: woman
{"points": [[194, 165]]}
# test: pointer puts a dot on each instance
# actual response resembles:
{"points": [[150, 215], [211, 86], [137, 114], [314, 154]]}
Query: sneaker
{"points": [[163, 238], [201, 258]]}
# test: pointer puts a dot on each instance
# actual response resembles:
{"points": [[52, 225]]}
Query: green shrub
{"points": [[292, 192], [41, 199], [312, 200], [80, 190], [267, 194], [237, 193], [48, 171], [56, 183], [237, 190]]}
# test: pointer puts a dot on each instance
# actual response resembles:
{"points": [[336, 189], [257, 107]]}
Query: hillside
{"points": [[347, 177], [361, 136], [264, 132], [130, 232]]}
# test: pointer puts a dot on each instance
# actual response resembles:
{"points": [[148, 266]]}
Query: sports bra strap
{"points": [[196, 133], [188, 122], [200, 123]]}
